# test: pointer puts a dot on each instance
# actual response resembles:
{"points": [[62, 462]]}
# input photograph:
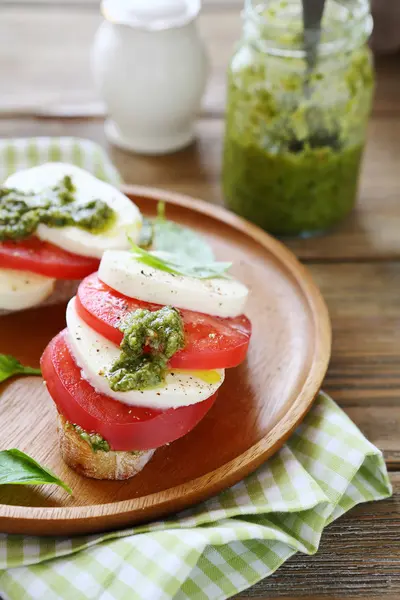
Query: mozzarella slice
{"points": [[219, 297], [73, 239], [23, 289], [93, 353]]}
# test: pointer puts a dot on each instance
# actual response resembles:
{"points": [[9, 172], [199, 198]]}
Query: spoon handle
{"points": [[312, 16]]}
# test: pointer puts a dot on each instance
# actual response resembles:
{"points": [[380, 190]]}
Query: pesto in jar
{"points": [[294, 139], [21, 213]]}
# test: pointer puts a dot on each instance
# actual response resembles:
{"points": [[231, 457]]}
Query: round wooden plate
{"points": [[259, 405]]}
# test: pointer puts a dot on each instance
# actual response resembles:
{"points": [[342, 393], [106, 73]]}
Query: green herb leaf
{"points": [[175, 265], [10, 366], [171, 237], [16, 467]]}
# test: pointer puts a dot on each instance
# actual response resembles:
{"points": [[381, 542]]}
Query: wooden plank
{"points": [[359, 557], [364, 307], [364, 374], [44, 57], [381, 425]]}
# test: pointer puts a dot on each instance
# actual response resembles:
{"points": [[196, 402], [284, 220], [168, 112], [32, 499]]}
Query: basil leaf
{"points": [[168, 236], [16, 467], [10, 366], [150, 260], [171, 237], [176, 266]]}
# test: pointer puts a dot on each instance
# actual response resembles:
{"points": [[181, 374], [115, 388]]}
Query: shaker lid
{"points": [[150, 14]]}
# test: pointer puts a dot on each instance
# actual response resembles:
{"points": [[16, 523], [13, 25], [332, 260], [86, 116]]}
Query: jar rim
{"points": [[343, 35]]}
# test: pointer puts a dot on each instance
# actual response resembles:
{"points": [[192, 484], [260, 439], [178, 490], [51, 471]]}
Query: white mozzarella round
{"points": [[73, 239], [219, 297], [23, 289], [95, 354]]}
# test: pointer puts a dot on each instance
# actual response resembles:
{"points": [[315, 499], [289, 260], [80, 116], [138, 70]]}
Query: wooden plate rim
{"points": [[230, 473]]}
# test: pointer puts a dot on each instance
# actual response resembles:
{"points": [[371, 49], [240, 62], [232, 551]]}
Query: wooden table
{"points": [[46, 90]]}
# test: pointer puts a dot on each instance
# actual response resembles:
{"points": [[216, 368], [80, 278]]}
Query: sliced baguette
{"points": [[64, 290], [78, 455]]}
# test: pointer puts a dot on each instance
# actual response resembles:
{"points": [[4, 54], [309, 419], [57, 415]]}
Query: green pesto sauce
{"points": [[294, 140], [162, 334], [95, 441], [305, 192], [21, 213]]}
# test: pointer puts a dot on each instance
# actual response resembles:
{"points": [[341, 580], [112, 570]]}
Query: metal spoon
{"points": [[312, 16]]}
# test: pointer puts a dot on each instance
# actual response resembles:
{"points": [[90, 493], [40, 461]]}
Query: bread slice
{"points": [[78, 455], [64, 290]]}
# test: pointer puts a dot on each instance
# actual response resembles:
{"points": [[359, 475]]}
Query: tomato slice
{"points": [[125, 427], [46, 259], [210, 342]]}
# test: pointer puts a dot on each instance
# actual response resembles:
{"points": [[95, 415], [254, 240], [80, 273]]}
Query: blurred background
{"points": [[47, 86], [45, 45]]}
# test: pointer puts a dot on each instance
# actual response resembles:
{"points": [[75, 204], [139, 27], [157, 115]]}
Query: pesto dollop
{"points": [[21, 213], [294, 139], [95, 441], [150, 340]]}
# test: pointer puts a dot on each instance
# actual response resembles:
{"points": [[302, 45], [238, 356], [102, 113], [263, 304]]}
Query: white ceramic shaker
{"points": [[150, 68]]}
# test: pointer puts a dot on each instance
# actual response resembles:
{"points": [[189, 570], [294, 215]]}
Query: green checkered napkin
{"points": [[22, 153], [221, 546]]}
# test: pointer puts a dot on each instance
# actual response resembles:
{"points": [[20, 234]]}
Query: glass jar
{"points": [[295, 136]]}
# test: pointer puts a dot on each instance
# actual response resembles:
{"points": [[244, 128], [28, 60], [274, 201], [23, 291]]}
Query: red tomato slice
{"points": [[41, 257], [211, 342], [124, 427]]}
